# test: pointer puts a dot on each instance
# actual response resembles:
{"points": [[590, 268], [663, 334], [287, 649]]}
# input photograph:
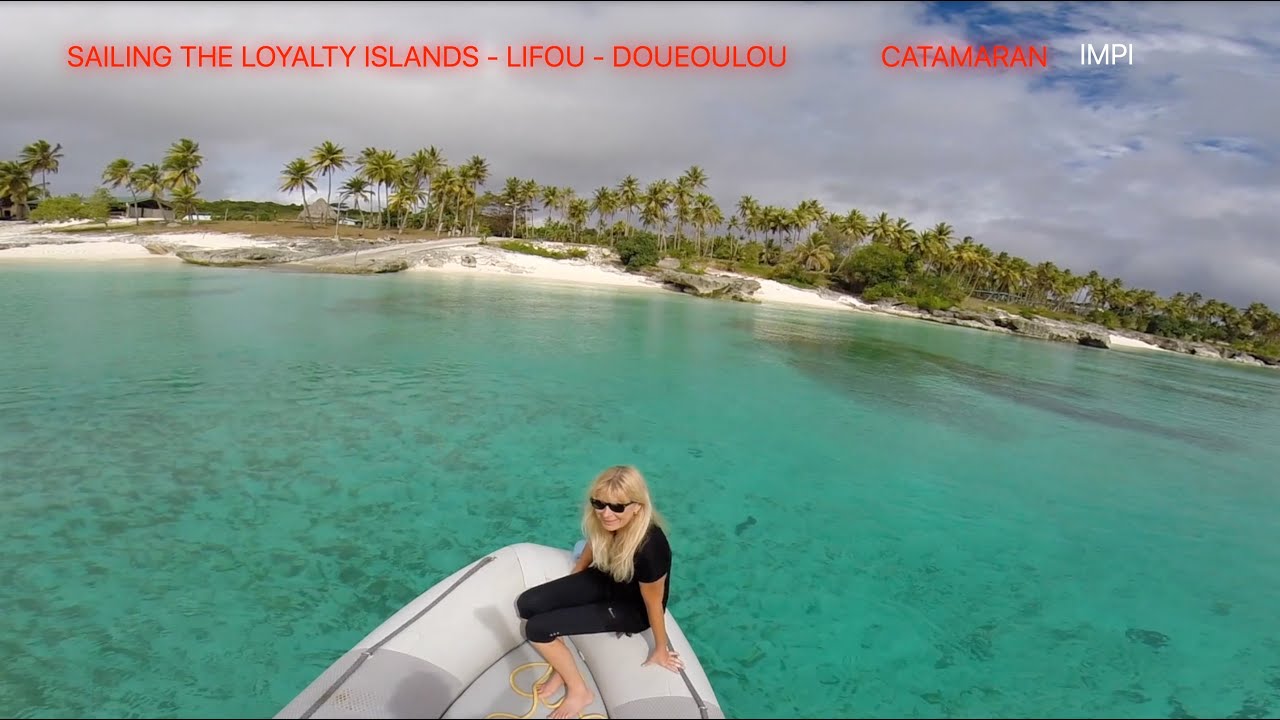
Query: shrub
{"points": [[876, 264], [637, 251]]}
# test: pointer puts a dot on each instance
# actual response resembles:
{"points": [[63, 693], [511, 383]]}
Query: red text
{"points": [[699, 56], [547, 55], [128, 56], [441, 56], [954, 56]]}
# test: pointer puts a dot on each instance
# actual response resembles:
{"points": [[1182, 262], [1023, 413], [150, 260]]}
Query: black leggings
{"points": [[581, 603]]}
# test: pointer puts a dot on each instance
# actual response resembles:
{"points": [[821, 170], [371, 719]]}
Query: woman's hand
{"points": [[665, 658]]}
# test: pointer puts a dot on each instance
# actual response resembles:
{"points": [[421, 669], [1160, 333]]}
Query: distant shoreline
{"points": [[35, 243]]}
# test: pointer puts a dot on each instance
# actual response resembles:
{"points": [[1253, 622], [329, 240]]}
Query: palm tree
{"points": [[653, 209], [549, 195], [881, 229], [474, 173], [364, 169], [328, 158], [297, 176], [385, 169], [182, 163], [529, 192], [706, 214], [604, 203], [425, 165], [149, 180], [903, 235], [808, 214], [815, 255], [857, 225], [629, 197], [513, 197], [448, 185], [356, 187], [408, 195], [120, 174], [184, 201], [579, 210], [749, 211], [16, 186], [687, 187], [41, 157]]}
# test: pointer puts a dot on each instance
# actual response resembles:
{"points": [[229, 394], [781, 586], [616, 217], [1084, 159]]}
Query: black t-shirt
{"points": [[653, 560]]}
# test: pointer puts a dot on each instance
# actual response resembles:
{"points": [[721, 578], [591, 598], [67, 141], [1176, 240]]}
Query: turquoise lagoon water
{"points": [[214, 482]]}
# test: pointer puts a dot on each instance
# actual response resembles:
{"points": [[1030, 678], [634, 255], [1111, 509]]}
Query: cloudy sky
{"points": [[1163, 172]]}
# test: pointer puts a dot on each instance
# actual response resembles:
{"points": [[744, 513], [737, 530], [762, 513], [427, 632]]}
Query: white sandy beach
{"points": [[496, 261], [772, 291], [1120, 341], [489, 260], [105, 250], [91, 246]]}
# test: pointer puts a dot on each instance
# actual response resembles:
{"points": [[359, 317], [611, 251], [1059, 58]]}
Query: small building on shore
{"points": [[318, 211], [151, 208], [10, 211]]}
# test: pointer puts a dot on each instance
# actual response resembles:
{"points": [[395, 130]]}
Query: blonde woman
{"points": [[620, 584]]}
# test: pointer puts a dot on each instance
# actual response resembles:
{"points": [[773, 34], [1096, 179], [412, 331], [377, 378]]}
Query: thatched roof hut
{"points": [[318, 211]]}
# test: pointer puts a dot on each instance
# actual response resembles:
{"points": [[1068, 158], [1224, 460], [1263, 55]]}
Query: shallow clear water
{"points": [[214, 482]]}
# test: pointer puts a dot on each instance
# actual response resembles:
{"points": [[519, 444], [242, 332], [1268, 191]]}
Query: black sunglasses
{"points": [[616, 507]]}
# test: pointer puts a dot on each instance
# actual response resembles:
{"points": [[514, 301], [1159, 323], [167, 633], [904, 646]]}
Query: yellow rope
{"points": [[532, 694]]}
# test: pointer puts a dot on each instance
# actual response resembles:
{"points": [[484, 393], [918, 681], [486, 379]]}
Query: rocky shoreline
{"points": [[387, 255], [736, 287], [1079, 333], [742, 289], [383, 257]]}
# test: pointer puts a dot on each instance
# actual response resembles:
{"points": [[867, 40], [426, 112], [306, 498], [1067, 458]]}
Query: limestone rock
{"points": [[710, 285]]}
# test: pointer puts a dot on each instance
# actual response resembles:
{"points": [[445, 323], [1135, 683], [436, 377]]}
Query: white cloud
{"points": [[1143, 178]]}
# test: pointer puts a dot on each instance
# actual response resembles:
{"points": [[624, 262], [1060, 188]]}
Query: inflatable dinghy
{"points": [[458, 651]]}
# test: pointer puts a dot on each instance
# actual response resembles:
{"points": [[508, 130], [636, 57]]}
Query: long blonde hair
{"points": [[614, 553]]}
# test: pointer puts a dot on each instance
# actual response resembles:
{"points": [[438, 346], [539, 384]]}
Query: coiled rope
{"points": [[532, 694]]}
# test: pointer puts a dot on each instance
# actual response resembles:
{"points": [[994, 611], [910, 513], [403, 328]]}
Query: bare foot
{"points": [[550, 688], [575, 701]]}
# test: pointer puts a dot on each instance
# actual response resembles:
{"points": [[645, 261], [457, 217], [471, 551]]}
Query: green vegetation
{"points": [[527, 249], [877, 257], [172, 183], [247, 210], [18, 188], [96, 207], [637, 250]]}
